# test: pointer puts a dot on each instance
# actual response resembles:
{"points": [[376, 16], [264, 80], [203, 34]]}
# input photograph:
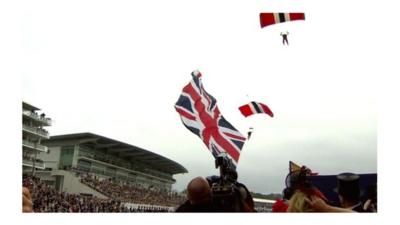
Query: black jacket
{"points": [[188, 207]]}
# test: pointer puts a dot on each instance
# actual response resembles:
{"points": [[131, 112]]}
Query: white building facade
{"points": [[34, 122]]}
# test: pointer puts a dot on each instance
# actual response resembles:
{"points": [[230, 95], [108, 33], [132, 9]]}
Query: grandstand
{"points": [[33, 134], [88, 164]]}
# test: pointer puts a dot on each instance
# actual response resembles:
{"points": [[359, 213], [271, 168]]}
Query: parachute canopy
{"points": [[254, 108], [267, 19]]}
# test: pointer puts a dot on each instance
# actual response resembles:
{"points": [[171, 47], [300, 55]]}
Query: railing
{"points": [[156, 173], [32, 145], [29, 162], [124, 164], [102, 171], [35, 116], [38, 131]]}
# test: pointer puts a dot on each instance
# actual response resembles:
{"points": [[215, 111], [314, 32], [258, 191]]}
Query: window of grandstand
{"points": [[84, 165], [66, 156]]}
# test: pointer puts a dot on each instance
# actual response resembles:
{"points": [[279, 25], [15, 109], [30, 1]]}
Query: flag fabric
{"points": [[200, 114]]}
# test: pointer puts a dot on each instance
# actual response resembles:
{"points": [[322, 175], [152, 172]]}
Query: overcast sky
{"points": [[117, 68]]}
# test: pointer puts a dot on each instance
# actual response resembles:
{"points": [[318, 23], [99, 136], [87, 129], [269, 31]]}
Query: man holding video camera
{"points": [[218, 193], [199, 197]]}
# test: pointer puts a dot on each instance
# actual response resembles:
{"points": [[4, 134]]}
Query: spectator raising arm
{"points": [[319, 205], [26, 200]]}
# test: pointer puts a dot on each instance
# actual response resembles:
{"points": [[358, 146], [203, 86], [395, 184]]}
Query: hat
{"points": [[298, 178], [348, 185]]}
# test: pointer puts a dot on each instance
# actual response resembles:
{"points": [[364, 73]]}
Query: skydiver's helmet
{"points": [[296, 180]]}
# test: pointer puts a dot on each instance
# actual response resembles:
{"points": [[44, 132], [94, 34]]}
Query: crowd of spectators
{"points": [[121, 197], [35, 115], [299, 196], [46, 199], [131, 193]]}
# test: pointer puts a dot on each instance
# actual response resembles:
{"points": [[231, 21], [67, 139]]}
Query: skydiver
{"points": [[249, 133], [284, 37]]}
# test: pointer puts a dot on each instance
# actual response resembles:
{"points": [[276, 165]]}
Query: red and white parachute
{"points": [[267, 19], [252, 108]]}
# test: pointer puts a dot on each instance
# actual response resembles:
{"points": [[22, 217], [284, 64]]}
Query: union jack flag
{"points": [[200, 114]]}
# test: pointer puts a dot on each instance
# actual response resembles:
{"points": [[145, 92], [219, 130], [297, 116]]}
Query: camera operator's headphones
{"points": [[296, 180]]}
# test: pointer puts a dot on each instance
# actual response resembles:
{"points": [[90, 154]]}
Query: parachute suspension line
{"points": [[250, 131]]}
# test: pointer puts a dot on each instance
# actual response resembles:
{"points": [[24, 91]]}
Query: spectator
{"points": [[298, 203], [245, 202], [299, 189], [349, 196], [320, 205], [199, 191], [199, 197], [132, 193], [26, 200], [47, 199], [349, 191], [280, 206], [371, 204]]}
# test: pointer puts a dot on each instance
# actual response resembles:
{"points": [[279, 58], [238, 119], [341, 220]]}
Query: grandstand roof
{"points": [[29, 106], [124, 150]]}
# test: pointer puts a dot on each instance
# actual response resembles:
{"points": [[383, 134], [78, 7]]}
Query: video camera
{"points": [[226, 191]]}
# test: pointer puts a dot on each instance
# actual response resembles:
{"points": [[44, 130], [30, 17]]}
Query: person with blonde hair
{"points": [[298, 203], [299, 190]]}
